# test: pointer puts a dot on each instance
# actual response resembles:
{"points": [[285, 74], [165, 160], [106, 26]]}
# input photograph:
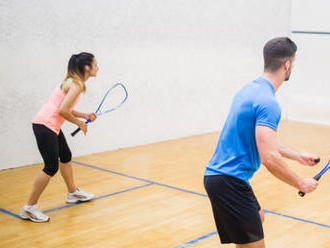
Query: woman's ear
{"points": [[87, 68]]}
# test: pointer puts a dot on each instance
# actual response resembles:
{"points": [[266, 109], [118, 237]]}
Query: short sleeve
{"points": [[268, 113]]}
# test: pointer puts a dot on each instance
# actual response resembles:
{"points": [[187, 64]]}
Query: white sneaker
{"points": [[33, 213], [79, 196]]}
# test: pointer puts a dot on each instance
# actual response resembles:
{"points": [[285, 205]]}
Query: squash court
{"points": [[180, 64], [153, 196]]}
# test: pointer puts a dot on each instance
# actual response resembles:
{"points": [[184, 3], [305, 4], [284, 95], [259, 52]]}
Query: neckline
{"points": [[263, 80]]}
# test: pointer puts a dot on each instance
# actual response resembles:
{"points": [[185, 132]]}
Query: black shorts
{"points": [[235, 209], [52, 147]]}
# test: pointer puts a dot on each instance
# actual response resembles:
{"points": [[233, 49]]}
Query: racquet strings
{"points": [[112, 99]]}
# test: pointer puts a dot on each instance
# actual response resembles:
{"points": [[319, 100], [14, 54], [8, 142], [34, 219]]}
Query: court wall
{"points": [[308, 90], [181, 61]]}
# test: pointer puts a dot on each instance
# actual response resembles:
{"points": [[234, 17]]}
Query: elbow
{"points": [[268, 158], [62, 112]]}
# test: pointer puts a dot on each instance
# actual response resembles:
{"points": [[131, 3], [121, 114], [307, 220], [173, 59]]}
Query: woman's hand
{"points": [[90, 116], [83, 126]]}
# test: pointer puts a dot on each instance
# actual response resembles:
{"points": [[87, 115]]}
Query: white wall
{"points": [[181, 60], [309, 88]]}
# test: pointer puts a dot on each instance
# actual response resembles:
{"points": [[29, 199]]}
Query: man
{"points": [[248, 138]]}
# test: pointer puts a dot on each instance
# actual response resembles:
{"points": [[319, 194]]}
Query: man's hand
{"points": [[308, 159], [308, 185]]}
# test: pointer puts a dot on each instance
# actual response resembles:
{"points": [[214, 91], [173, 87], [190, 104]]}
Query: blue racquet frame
{"points": [[318, 176], [98, 111]]}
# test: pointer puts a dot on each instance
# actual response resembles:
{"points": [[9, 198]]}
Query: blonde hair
{"points": [[76, 68], [76, 79]]}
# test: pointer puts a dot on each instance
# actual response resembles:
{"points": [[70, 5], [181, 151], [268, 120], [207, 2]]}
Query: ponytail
{"points": [[76, 68]]}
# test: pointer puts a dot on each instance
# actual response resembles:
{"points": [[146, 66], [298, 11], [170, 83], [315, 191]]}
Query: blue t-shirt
{"points": [[236, 153]]}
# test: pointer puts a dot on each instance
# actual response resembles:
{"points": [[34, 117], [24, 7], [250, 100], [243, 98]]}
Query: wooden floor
{"points": [[152, 196]]}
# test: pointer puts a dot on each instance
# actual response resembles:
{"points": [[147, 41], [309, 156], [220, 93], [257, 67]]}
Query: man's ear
{"points": [[287, 65]]}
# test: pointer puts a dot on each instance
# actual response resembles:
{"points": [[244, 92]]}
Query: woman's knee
{"points": [[66, 157], [51, 168]]}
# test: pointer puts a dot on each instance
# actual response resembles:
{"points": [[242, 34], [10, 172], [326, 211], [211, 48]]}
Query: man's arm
{"points": [[288, 152], [270, 155], [303, 158]]}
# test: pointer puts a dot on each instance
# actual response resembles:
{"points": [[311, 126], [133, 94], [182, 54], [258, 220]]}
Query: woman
{"points": [[50, 139]]}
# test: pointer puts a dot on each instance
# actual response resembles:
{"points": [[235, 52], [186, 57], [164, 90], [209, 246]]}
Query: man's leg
{"points": [[262, 215], [257, 244]]}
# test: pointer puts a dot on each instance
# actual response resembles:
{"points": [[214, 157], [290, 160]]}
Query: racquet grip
{"points": [[317, 177], [75, 132], [78, 129]]}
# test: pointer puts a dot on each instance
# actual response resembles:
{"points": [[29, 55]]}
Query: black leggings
{"points": [[51, 147]]}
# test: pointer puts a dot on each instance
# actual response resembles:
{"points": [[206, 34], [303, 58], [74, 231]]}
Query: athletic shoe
{"points": [[33, 213], [79, 196]]}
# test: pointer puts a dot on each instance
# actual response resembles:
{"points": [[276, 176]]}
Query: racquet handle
{"points": [[75, 131], [317, 177], [78, 129]]}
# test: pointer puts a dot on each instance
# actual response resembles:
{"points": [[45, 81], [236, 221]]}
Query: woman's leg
{"points": [[67, 174], [66, 165], [39, 185], [75, 194], [48, 146]]}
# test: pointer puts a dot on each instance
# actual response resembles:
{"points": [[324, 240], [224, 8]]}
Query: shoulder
{"points": [[267, 112], [267, 108], [71, 86], [268, 101]]}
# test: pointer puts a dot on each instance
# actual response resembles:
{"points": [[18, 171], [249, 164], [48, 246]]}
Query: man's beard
{"points": [[288, 76]]}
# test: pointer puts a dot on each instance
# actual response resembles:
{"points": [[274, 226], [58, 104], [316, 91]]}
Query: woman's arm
{"points": [[78, 114], [72, 93], [87, 116]]}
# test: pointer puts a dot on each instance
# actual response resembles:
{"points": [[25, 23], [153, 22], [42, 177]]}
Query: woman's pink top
{"points": [[49, 113]]}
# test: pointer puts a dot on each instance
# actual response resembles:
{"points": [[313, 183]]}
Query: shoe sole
{"points": [[80, 200], [26, 217]]}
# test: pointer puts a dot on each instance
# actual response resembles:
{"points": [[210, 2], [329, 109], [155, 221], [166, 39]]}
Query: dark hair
{"points": [[77, 63], [76, 68], [277, 51]]}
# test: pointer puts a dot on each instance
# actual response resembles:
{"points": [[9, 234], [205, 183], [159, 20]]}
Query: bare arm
{"points": [[78, 114], [271, 157], [87, 116], [69, 99], [303, 158], [288, 152]]}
